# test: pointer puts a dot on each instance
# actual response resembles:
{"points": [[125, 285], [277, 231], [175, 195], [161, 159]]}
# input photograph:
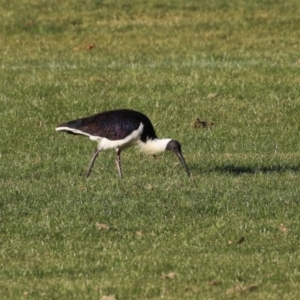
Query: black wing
{"points": [[113, 125]]}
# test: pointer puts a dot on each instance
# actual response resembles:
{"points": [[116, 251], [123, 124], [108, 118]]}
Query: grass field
{"points": [[229, 231]]}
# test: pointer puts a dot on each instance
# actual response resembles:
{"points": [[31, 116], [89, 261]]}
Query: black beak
{"points": [[181, 158]]}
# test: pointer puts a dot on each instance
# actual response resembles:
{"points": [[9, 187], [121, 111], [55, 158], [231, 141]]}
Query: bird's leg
{"points": [[118, 162], [89, 169]]}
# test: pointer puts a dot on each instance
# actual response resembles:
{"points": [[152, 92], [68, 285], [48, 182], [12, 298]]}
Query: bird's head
{"points": [[175, 147]]}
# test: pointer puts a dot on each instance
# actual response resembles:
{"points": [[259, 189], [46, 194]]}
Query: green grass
{"points": [[165, 58]]}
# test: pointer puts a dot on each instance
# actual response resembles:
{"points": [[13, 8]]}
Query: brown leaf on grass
{"points": [[90, 46], [283, 229], [170, 275], [100, 226], [29, 24], [202, 124], [87, 47], [214, 282], [110, 297], [239, 241], [242, 289]]}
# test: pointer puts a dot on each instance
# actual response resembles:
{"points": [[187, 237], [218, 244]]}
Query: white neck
{"points": [[154, 146]]}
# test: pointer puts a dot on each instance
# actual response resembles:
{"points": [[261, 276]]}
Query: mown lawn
{"points": [[231, 230]]}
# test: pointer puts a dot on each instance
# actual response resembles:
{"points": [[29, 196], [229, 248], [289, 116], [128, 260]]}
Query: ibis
{"points": [[120, 129]]}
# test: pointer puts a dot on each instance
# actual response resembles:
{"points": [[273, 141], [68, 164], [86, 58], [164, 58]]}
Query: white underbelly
{"points": [[131, 140]]}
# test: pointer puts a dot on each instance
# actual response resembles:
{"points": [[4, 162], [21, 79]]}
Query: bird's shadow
{"points": [[238, 170]]}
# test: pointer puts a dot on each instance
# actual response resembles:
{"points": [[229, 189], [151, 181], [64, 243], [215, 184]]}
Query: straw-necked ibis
{"points": [[120, 129]]}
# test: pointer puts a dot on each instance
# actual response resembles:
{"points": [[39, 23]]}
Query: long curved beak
{"points": [[181, 158]]}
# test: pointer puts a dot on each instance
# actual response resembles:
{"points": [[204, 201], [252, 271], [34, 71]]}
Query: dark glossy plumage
{"points": [[114, 125], [120, 129]]}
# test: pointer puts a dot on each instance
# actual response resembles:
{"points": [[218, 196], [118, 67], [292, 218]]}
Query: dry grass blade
{"points": [[100, 226], [283, 229], [170, 275], [139, 233], [242, 289], [214, 282], [213, 95], [110, 297]]}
